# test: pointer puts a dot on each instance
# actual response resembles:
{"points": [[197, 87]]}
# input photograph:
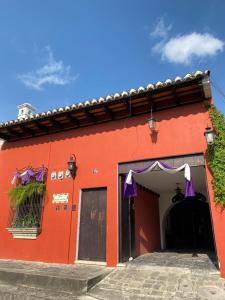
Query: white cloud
{"points": [[161, 30], [184, 48], [52, 73]]}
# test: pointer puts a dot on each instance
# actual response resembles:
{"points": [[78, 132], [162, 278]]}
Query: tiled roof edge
{"points": [[109, 98]]}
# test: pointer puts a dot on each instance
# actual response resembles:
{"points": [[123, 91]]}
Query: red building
{"points": [[86, 216]]}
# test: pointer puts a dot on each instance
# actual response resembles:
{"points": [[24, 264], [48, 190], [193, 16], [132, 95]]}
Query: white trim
{"points": [[24, 233], [91, 262], [78, 225], [121, 265]]}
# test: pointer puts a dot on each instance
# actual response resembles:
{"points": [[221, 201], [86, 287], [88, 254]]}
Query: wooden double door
{"points": [[92, 234]]}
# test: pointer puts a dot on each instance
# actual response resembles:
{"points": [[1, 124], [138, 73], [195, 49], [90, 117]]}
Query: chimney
{"points": [[25, 111]]}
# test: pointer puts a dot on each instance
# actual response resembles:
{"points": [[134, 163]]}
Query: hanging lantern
{"points": [[152, 123], [179, 196], [209, 135]]}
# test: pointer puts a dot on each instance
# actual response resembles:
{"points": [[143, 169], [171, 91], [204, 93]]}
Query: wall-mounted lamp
{"points": [[152, 122], [209, 135], [72, 167]]}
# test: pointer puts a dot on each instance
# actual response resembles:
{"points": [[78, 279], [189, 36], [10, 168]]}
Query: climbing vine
{"points": [[216, 155]]}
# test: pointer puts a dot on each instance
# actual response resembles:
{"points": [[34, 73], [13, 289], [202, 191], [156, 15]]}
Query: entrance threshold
{"points": [[186, 261], [88, 262]]}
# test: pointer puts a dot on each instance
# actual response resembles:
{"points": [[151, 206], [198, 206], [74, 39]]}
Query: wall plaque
{"points": [[53, 175], [67, 174], [60, 198], [61, 175]]}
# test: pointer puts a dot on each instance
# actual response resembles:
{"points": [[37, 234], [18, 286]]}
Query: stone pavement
{"points": [[194, 262], [33, 280], [22, 292], [81, 271], [171, 276], [155, 276]]}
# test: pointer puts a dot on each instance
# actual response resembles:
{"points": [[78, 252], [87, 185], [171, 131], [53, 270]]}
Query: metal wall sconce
{"points": [[72, 167], [209, 135]]}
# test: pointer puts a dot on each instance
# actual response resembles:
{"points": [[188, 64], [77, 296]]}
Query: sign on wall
{"points": [[60, 198]]}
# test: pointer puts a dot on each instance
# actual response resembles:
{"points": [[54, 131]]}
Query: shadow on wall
{"points": [[164, 115]]}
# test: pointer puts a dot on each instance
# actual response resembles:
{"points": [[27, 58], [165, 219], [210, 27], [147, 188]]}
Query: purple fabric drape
{"points": [[40, 174], [189, 189], [26, 178], [17, 174], [166, 166], [130, 190]]}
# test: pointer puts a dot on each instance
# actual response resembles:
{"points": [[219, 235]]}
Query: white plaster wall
{"points": [[164, 204]]}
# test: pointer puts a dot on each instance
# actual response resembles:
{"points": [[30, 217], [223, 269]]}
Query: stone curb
{"points": [[56, 283]]}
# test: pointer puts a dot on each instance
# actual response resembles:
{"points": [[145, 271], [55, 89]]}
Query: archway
{"points": [[188, 226]]}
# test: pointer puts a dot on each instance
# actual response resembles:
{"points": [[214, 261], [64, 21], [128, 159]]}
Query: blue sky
{"points": [[54, 53]]}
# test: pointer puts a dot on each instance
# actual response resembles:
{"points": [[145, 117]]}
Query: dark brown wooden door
{"points": [[92, 237]]}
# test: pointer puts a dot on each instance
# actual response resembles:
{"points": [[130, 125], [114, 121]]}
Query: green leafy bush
{"points": [[26, 221], [216, 155], [19, 194]]}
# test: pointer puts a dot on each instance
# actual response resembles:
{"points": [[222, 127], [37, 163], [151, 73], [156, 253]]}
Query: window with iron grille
{"points": [[29, 213], [27, 199]]}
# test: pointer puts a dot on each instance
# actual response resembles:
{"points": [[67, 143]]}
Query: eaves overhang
{"points": [[192, 88]]}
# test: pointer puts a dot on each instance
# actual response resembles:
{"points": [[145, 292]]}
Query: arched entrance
{"points": [[188, 226]]}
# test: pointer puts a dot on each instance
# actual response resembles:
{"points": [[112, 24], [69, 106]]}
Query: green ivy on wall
{"points": [[216, 155]]}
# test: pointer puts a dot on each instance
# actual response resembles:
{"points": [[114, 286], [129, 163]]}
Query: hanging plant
{"points": [[19, 194], [216, 155]]}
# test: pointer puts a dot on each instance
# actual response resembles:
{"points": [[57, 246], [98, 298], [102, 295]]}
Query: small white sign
{"points": [[60, 198], [53, 175], [67, 174], [60, 175]]}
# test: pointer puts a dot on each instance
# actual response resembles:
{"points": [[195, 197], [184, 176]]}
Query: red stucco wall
{"points": [[180, 131], [147, 226]]}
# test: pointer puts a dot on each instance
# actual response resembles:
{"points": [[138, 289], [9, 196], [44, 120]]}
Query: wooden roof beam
{"points": [[177, 99], [128, 105], [40, 126], [90, 115], [151, 103], [27, 130], [12, 132], [109, 112], [55, 123], [72, 119], [4, 136]]}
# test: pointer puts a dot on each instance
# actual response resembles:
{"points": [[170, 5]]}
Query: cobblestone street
{"points": [[158, 284], [22, 292], [184, 277], [158, 276]]}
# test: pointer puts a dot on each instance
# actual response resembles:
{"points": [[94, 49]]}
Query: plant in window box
{"points": [[26, 199], [27, 221], [23, 193]]}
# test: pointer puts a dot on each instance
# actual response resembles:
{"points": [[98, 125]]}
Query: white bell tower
{"points": [[25, 111]]}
